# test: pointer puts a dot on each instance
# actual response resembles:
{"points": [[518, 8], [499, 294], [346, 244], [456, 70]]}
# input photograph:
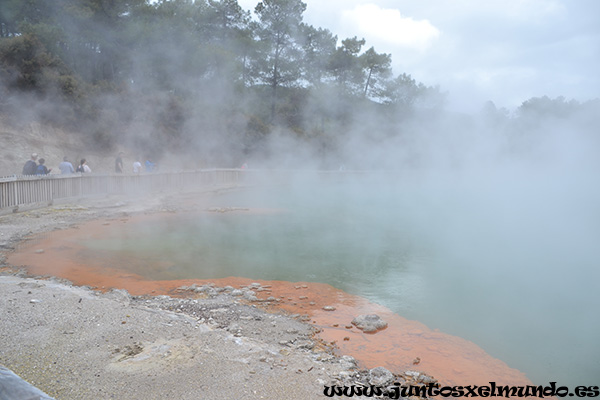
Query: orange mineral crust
{"points": [[403, 345]]}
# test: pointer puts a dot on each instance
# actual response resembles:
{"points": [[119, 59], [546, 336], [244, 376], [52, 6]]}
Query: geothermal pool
{"points": [[496, 267]]}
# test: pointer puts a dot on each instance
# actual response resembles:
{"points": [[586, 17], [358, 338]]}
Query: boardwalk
{"points": [[30, 190]]}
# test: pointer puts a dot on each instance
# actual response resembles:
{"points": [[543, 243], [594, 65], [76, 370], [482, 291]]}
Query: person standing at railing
{"points": [[137, 167], [42, 169], [30, 166], [150, 166], [66, 167], [119, 164], [83, 167]]}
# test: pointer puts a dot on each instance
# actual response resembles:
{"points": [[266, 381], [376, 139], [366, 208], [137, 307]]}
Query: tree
{"points": [[280, 21], [15, 14], [170, 48], [229, 36], [26, 65], [377, 67], [406, 95], [226, 18], [544, 106], [318, 45], [345, 66], [86, 34]]}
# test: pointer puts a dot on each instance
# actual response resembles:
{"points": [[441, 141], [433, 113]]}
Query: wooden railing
{"points": [[17, 191]]}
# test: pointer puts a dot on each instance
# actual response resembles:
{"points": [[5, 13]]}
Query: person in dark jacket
{"points": [[30, 166], [83, 167], [119, 164], [42, 169]]}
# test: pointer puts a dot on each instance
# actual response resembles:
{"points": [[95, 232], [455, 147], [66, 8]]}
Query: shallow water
{"points": [[480, 269]]}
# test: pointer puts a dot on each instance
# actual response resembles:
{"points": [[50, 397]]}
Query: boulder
{"points": [[380, 377], [369, 323]]}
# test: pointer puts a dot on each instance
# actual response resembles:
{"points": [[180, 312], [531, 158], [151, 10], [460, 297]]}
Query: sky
{"points": [[504, 51]]}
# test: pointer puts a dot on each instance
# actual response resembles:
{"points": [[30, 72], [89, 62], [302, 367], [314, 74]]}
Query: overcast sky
{"points": [[506, 51]]}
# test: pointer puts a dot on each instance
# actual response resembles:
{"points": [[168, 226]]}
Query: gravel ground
{"points": [[76, 343]]}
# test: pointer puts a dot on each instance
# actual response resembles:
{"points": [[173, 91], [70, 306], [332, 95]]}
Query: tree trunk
{"points": [[368, 81], [275, 82]]}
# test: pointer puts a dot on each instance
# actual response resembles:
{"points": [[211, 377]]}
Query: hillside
{"points": [[17, 142]]}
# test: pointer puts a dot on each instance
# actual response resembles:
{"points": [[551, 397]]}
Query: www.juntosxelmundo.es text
{"points": [[397, 391]]}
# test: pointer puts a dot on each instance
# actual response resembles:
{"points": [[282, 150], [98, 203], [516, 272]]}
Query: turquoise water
{"points": [[515, 275]]}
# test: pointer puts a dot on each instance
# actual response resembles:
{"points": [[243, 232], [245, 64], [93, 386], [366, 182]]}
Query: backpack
{"points": [[41, 170], [30, 168]]}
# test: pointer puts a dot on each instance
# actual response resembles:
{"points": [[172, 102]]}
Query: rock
{"points": [[345, 375], [418, 377], [329, 308], [120, 295], [380, 377], [306, 344], [369, 323], [348, 362]]}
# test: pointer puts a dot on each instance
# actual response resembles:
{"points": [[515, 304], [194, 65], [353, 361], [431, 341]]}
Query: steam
{"points": [[504, 202], [505, 214]]}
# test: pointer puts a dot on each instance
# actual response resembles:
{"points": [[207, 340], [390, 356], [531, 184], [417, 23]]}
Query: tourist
{"points": [[83, 167], [30, 166], [150, 166], [119, 164], [137, 167], [42, 169], [66, 167]]}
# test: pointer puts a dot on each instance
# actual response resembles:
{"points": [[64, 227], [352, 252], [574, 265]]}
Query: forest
{"points": [[209, 78]]}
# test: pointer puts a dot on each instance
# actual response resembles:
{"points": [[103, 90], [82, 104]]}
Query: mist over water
{"points": [[506, 257]]}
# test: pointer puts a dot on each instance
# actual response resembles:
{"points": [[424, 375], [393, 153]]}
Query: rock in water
{"points": [[369, 323]]}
